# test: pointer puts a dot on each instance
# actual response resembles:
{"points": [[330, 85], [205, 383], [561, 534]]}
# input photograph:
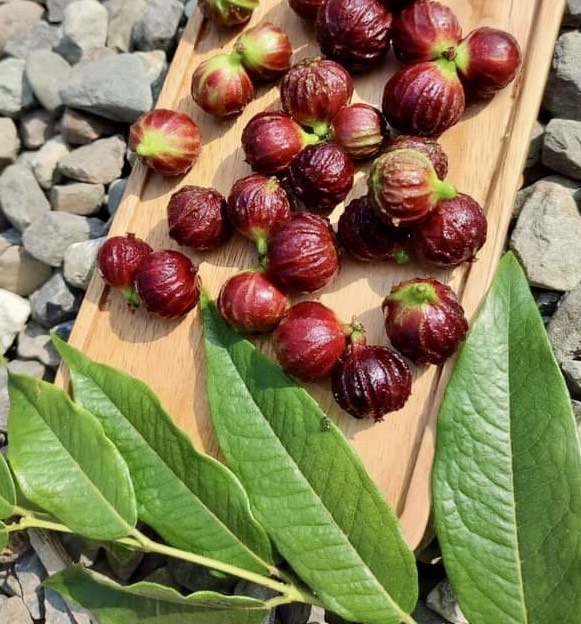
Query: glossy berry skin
{"points": [[265, 51], [424, 99], [228, 13], [452, 233], [424, 320], [251, 303], [257, 205], [271, 140], [120, 257], [197, 218], [424, 31], [309, 341], [404, 187], [307, 9], [168, 284], [321, 176], [366, 237], [221, 86], [426, 146], [165, 141], [302, 253], [314, 91], [355, 33], [488, 61], [360, 129], [371, 381]]}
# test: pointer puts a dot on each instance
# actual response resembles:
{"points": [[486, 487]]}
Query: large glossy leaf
{"points": [[507, 478], [189, 498], [148, 603], [306, 484], [7, 490], [64, 463]]}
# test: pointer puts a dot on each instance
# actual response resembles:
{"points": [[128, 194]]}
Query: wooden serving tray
{"points": [[487, 152]]}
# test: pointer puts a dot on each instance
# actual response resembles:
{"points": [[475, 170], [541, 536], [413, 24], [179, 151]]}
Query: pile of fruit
{"points": [[303, 158]]}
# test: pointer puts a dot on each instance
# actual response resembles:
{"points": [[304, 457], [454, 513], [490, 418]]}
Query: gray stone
{"points": [[562, 147], [14, 312], [78, 198], [157, 25], [245, 588], [45, 164], [95, 54], [9, 142], [80, 261], [549, 224], [8, 238], [4, 409], [30, 573], [56, 9], [572, 372], [84, 28], [156, 68], [14, 611], [565, 330], [123, 14], [16, 18], [573, 13], [190, 7], [553, 181], [34, 369], [20, 273], [83, 128], [26, 159], [442, 600], [47, 72], [123, 567], [116, 88], [293, 614], [41, 36], [56, 610], [577, 411], [423, 615], [563, 91], [536, 145], [547, 302], [116, 190], [21, 197], [34, 343], [36, 128], [55, 302], [98, 163], [15, 91]]}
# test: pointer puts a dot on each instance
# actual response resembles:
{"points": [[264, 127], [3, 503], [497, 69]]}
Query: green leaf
{"points": [[194, 502], [7, 490], [3, 536], [306, 484], [64, 463], [507, 477], [148, 603]]}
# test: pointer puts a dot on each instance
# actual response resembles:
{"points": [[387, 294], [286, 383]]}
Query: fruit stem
{"points": [[415, 295], [401, 256], [309, 138], [321, 129], [131, 296], [356, 333], [444, 190], [261, 243]]}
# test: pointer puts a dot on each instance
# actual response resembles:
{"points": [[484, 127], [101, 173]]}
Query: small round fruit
{"points": [[425, 98], [425, 31], [309, 341], [360, 129], [314, 91], [452, 233], [356, 33], [228, 13], [487, 60], [426, 146], [371, 381], [404, 187], [265, 51], [197, 218], [221, 86], [424, 320], [307, 9], [168, 284], [302, 253], [251, 303], [271, 140], [364, 235], [166, 142], [321, 177]]}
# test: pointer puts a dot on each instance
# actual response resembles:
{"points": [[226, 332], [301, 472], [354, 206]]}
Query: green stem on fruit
{"points": [[309, 138], [444, 190], [462, 58], [321, 129], [401, 256], [415, 295], [261, 243], [131, 296]]}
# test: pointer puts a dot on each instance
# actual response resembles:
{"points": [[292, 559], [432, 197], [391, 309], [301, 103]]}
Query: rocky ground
{"points": [[73, 75]]}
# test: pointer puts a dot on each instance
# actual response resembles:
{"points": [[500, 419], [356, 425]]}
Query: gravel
{"points": [[563, 92], [78, 198], [16, 18], [47, 73], [21, 197], [9, 142], [20, 273], [80, 261], [34, 343], [15, 90], [85, 26], [100, 162], [55, 302], [45, 162], [36, 128], [562, 147], [14, 312], [83, 128]]}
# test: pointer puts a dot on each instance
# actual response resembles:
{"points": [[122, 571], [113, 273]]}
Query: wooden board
{"points": [[487, 152]]}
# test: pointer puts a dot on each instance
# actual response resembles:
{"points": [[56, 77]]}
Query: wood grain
{"points": [[487, 152]]}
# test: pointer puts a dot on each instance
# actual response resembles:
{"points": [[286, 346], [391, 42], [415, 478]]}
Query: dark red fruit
{"points": [[424, 320], [168, 284], [360, 130], [321, 177], [251, 303], [197, 218], [371, 381], [426, 146], [265, 51], [453, 232], [271, 140], [228, 13], [356, 33], [425, 31], [404, 187], [256, 206], [166, 142], [314, 91], [302, 253], [118, 261], [488, 60], [307, 9], [364, 235], [425, 99], [309, 341], [221, 86]]}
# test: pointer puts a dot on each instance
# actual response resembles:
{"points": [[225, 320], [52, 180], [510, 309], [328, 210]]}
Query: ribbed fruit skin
{"points": [[120, 257], [307, 9], [426, 146], [360, 129], [265, 51]]}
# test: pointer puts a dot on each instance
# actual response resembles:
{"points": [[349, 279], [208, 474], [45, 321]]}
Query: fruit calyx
{"points": [[415, 295]]}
